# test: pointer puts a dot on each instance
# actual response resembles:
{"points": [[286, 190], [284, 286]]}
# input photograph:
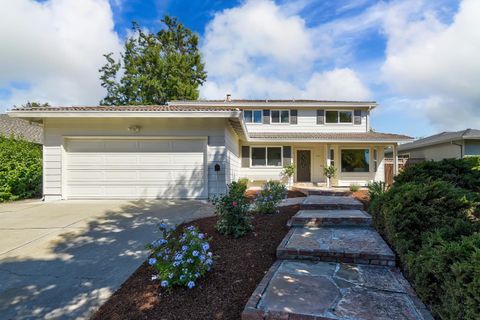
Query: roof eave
{"points": [[122, 114], [328, 140], [241, 104]]}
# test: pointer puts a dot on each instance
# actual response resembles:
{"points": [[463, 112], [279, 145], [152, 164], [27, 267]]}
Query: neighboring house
{"points": [[20, 129], [445, 145], [192, 149]]}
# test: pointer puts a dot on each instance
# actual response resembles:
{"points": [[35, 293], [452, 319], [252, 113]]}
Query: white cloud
{"points": [[264, 50], [436, 63], [54, 49]]}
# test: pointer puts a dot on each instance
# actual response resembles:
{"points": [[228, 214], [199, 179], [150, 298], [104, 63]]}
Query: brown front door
{"points": [[303, 166]]}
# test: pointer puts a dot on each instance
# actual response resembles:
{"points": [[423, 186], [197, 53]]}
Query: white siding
{"points": [[307, 122], [436, 152], [232, 155], [56, 130]]}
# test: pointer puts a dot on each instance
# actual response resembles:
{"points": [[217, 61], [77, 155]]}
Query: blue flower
{"points": [[190, 260], [201, 236], [163, 225], [170, 276], [195, 253], [209, 254], [182, 277], [202, 258], [205, 246], [191, 284], [164, 283], [152, 261], [209, 261], [165, 257], [184, 248], [190, 228], [176, 263]]}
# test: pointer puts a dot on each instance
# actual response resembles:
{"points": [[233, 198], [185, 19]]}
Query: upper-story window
{"points": [[280, 116], [252, 116], [332, 116]]}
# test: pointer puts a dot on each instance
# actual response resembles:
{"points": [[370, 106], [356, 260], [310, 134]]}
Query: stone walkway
{"points": [[333, 265]]}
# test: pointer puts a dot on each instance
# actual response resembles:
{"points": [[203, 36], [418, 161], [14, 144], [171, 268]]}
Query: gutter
{"points": [[461, 148], [122, 114]]}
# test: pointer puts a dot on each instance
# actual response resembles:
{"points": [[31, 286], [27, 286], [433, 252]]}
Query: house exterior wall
{"points": [[472, 147], [56, 129], [307, 122], [232, 149], [435, 152]]}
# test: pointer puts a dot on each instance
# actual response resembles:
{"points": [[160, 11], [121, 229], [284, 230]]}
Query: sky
{"points": [[419, 59]]}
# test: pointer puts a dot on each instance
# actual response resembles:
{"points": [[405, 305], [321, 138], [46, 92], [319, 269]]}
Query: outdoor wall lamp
{"points": [[134, 129]]}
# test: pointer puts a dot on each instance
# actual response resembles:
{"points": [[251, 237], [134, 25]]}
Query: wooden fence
{"points": [[402, 163]]}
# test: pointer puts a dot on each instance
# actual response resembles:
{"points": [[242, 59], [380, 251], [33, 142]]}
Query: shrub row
{"points": [[20, 169], [430, 216]]}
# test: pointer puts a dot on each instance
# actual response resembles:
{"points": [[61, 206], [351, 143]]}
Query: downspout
{"points": [[461, 148]]}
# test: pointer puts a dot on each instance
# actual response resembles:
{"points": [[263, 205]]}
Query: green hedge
{"points": [[20, 169], [430, 216]]}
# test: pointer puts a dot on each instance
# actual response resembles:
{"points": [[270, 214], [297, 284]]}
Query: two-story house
{"points": [[193, 149]]}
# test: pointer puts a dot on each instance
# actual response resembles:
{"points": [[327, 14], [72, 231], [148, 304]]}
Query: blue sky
{"points": [[416, 58]]}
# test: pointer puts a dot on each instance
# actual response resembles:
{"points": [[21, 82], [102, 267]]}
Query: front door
{"points": [[303, 166]]}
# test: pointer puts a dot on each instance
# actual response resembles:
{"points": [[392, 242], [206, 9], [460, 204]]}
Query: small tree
{"points": [[329, 172], [288, 172]]}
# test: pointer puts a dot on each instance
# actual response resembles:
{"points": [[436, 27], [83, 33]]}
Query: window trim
{"points": [[338, 117], [253, 111], [280, 116], [356, 148], [266, 157]]}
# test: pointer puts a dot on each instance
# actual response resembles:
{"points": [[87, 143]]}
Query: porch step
{"points": [[317, 218], [325, 290], [320, 190], [362, 245], [316, 202]]}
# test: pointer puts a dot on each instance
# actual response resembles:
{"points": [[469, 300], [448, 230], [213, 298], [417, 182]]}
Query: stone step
{"points": [[337, 244], [317, 218], [315, 202], [326, 290]]}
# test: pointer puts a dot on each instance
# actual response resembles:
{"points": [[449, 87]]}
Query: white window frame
{"points": [[266, 157], [253, 111], [375, 159], [356, 148], [338, 117], [279, 116]]}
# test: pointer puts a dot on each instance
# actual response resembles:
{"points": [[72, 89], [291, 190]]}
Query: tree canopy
{"points": [[155, 68]]}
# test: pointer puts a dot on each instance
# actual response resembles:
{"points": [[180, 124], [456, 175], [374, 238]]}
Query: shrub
{"points": [[410, 211], [180, 259], [354, 187], [271, 195], [288, 170], [463, 173], [446, 275], [20, 169], [376, 188], [232, 209], [243, 181]]}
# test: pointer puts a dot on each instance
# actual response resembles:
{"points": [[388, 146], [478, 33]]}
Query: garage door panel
{"points": [[136, 169]]}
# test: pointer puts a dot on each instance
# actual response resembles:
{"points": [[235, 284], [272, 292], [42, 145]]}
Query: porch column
{"points": [[327, 154], [395, 160]]}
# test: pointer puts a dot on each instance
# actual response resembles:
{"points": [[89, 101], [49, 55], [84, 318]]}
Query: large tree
{"points": [[155, 68]]}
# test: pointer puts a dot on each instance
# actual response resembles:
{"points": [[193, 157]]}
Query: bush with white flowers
{"points": [[180, 259]]}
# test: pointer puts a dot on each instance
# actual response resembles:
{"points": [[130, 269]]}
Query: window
{"points": [[355, 160], [332, 157], [375, 165], [280, 116], [266, 156], [252, 116], [339, 116]]}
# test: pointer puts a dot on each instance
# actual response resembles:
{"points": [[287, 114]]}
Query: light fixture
{"points": [[134, 129]]}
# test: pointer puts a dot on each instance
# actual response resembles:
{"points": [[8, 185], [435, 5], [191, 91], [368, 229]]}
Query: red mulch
{"points": [[239, 266], [251, 194], [362, 196]]}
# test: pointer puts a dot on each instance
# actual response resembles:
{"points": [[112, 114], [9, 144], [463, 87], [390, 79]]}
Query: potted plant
{"points": [[329, 172], [288, 172]]}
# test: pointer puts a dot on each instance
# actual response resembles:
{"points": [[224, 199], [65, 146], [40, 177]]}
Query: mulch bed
{"points": [[362, 196], [239, 266]]}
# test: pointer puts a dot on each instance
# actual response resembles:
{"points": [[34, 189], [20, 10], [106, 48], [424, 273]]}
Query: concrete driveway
{"points": [[64, 259]]}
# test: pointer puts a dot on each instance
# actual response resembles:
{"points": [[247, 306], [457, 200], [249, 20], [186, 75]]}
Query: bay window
{"points": [[355, 160], [266, 156]]}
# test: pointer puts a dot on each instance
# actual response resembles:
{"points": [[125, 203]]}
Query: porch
{"points": [[355, 163]]}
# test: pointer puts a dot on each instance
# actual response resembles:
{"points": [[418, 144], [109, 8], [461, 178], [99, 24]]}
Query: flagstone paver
{"points": [[316, 218], [326, 290], [315, 202], [341, 244]]}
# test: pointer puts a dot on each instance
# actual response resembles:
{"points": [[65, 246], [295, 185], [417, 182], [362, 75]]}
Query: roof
{"points": [[20, 128], [275, 103], [443, 137], [330, 136], [144, 108]]}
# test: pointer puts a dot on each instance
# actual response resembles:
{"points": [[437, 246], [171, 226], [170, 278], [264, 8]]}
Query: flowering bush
{"points": [[272, 193], [180, 259], [232, 209]]}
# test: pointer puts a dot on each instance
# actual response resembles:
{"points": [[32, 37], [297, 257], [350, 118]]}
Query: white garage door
{"points": [[140, 168]]}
